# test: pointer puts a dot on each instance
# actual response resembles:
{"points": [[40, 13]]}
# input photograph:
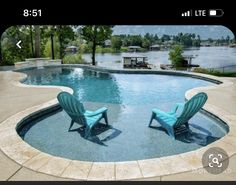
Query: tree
{"points": [[31, 39], [165, 38], [65, 33], [116, 42], [0, 53], [146, 43], [37, 41], [11, 53], [227, 39], [96, 35], [175, 55]]}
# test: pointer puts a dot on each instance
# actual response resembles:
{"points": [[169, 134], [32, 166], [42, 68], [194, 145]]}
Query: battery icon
{"points": [[216, 13]]}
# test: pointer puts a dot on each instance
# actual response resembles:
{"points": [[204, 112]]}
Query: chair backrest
{"points": [[72, 106], [191, 107]]}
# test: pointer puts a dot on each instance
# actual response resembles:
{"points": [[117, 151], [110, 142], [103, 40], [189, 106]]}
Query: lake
{"points": [[207, 57]]}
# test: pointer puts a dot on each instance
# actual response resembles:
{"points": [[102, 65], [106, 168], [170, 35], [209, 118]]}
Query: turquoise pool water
{"points": [[130, 99], [126, 89]]}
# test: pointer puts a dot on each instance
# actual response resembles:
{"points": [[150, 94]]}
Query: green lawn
{"points": [[215, 72]]}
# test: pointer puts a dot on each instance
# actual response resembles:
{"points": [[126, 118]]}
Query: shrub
{"points": [[175, 55], [48, 50], [74, 59]]}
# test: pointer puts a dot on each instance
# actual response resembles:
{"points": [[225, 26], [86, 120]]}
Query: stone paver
{"points": [[101, 171], [25, 174], [128, 170], [78, 170], [55, 166], [201, 174], [7, 167]]}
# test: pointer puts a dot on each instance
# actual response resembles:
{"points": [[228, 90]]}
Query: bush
{"points": [[48, 50], [214, 72], [175, 55], [100, 49], [85, 48], [200, 70], [74, 59], [124, 49]]}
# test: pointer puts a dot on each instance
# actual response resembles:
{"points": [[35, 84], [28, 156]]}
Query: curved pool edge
{"points": [[25, 155]]}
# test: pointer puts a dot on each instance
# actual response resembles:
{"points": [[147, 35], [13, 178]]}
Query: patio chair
{"points": [[180, 114], [75, 109]]}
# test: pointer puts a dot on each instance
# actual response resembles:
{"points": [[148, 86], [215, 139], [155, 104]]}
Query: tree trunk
{"points": [[0, 53], [52, 47], [61, 48], [37, 41], [60, 43], [94, 45], [31, 41], [93, 53]]}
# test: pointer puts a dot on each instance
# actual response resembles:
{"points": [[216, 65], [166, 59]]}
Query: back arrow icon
{"points": [[18, 44]]}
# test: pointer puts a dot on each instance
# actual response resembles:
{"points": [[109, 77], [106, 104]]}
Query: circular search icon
{"points": [[215, 160]]}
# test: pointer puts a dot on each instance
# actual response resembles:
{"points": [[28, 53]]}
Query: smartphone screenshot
{"points": [[118, 95]]}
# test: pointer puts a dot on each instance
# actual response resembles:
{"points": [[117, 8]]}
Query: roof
{"points": [[134, 47], [71, 47], [155, 46], [189, 56], [132, 55], [107, 42]]}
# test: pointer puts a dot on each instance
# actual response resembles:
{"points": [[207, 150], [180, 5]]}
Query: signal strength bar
{"points": [[187, 14]]}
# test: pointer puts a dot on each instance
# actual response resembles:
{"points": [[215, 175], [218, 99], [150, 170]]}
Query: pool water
{"points": [[126, 89], [129, 99]]}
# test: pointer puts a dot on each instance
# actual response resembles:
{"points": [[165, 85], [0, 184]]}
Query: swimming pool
{"points": [[130, 99]]}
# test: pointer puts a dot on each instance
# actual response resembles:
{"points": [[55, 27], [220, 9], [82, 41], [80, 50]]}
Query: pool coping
{"points": [[25, 155]]}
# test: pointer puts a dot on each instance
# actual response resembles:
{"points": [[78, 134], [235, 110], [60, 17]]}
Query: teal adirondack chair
{"points": [[180, 114], [75, 109]]}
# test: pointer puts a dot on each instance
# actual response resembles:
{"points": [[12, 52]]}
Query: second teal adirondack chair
{"points": [[180, 114], [75, 109]]}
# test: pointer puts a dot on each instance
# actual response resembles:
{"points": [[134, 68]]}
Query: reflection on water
{"points": [[207, 57], [88, 85]]}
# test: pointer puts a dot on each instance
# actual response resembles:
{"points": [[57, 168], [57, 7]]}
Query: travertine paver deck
{"points": [[15, 98]]}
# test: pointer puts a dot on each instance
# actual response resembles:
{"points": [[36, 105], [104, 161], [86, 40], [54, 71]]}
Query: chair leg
{"points": [[87, 132], [152, 117], [187, 125], [171, 132], [71, 124], [105, 117]]}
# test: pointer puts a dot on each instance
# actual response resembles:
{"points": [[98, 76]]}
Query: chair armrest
{"points": [[161, 113], [177, 105], [94, 113]]}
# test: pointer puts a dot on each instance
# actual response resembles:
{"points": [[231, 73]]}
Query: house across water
{"points": [[155, 47], [134, 48]]}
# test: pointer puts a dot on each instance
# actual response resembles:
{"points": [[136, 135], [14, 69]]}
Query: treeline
{"points": [[165, 41], [148, 40]]}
